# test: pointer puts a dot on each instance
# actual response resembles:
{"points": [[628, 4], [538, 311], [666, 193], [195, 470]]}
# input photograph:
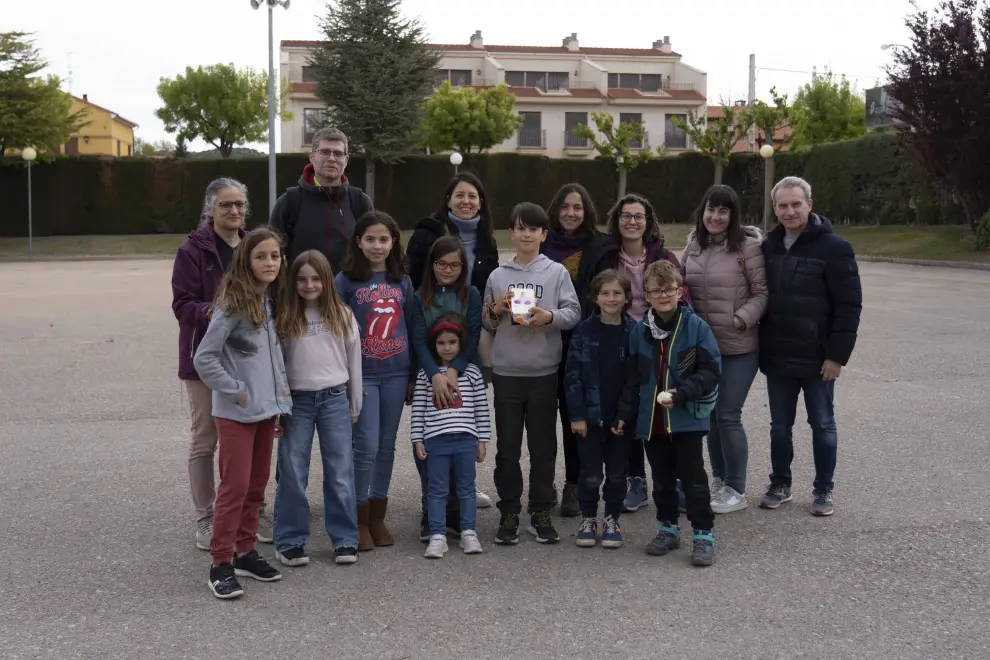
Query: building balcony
{"points": [[532, 138], [574, 142]]}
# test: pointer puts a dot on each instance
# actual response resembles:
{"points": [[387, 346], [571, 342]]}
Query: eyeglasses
{"points": [[449, 266], [633, 218], [662, 293], [331, 153], [227, 205]]}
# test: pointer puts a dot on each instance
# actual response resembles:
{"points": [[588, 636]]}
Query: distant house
{"points": [[781, 139], [105, 132]]}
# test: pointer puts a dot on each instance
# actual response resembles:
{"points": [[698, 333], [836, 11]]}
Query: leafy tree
{"points": [[942, 83], [768, 119], [466, 119], [827, 110], [613, 142], [223, 106], [142, 148], [373, 70], [34, 111], [181, 150], [715, 138]]}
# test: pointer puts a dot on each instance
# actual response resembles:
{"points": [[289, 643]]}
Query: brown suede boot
{"points": [[365, 542], [376, 522]]}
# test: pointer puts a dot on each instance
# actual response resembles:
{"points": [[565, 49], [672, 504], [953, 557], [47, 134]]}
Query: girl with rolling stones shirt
{"points": [[374, 284]]}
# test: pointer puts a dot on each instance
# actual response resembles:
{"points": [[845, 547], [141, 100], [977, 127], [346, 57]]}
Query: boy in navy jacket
{"points": [[672, 378], [594, 380]]}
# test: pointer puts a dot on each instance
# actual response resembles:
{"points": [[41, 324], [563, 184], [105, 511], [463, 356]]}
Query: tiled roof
{"points": [[303, 87], [116, 117], [576, 93], [559, 50], [669, 94]]}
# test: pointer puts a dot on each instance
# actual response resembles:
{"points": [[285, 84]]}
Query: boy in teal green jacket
{"points": [[672, 378]]}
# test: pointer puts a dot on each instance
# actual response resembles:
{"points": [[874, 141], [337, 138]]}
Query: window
{"points": [[460, 78], [531, 131], [646, 82], [629, 80], [553, 81], [129, 151], [613, 80], [632, 118], [571, 121], [118, 147], [674, 137], [313, 120], [650, 82], [441, 75], [309, 74]]}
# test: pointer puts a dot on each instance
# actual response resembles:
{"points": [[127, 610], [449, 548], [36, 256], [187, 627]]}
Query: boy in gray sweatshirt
{"points": [[530, 300]]}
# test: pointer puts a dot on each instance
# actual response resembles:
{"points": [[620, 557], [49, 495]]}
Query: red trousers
{"points": [[245, 458]]}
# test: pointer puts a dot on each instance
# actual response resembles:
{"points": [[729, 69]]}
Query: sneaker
{"points": [[204, 533], [824, 504], [702, 548], [667, 539], [345, 555], [437, 547], [541, 526], [611, 533], [587, 536], [727, 500], [424, 528], [223, 583], [635, 494], [470, 543], [568, 502], [293, 556], [776, 495], [717, 484], [484, 502], [253, 566], [508, 529], [265, 526]]}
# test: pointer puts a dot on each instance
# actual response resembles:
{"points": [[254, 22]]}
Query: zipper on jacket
{"points": [[192, 345], [666, 375]]}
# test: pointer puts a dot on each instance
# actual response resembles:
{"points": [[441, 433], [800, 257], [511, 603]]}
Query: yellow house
{"points": [[105, 134]]}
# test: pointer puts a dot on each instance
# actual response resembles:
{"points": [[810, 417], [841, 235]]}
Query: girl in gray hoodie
{"points": [[240, 359]]}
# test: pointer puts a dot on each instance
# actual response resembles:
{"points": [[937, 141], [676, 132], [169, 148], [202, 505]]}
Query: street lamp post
{"points": [[256, 4], [29, 154], [766, 151], [456, 159]]}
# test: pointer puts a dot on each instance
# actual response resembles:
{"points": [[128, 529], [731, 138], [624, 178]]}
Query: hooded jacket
{"points": [[314, 217], [518, 350], [196, 275], [725, 285], [428, 230], [816, 299], [655, 251]]}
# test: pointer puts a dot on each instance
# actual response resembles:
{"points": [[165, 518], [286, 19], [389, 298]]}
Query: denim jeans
{"points": [[329, 412], [728, 449], [453, 505], [374, 435], [443, 452], [818, 397]]}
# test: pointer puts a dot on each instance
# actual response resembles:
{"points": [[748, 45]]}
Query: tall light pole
{"points": [[256, 4], [29, 154], [766, 151]]}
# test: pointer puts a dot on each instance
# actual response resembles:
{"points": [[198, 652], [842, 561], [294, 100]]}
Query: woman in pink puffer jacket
{"points": [[723, 266]]}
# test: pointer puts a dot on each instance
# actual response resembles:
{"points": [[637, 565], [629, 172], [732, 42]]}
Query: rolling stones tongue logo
{"points": [[383, 317]]}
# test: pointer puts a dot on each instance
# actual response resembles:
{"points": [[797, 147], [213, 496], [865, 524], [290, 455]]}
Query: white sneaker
{"points": [[204, 533], [437, 547], [728, 500], [470, 543], [484, 501], [717, 484]]}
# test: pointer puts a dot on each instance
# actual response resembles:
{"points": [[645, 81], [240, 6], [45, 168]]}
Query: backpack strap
{"points": [[293, 199], [356, 199]]}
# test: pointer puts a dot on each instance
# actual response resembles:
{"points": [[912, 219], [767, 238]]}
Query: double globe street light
{"points": [[256, 4]]}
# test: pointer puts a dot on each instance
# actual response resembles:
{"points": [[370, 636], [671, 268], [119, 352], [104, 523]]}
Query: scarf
{"points": [[468, 231], [657, 325], [558, 247]]}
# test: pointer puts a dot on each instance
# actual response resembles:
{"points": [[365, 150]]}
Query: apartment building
{"points": [[556, 89]]}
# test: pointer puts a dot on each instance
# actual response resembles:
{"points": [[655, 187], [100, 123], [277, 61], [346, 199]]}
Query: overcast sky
{"points": [[117, 50]]}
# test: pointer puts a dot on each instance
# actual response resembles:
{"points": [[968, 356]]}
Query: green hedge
{"points": [[864, 181]]}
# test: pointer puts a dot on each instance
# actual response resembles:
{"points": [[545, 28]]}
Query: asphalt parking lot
{"points": [[99, 559]]}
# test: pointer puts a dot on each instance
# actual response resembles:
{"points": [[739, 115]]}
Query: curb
{"points": [[90, 257], [971, 265]]}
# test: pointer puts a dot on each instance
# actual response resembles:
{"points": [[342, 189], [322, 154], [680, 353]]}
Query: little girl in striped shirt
{"points": [[452, 436]]}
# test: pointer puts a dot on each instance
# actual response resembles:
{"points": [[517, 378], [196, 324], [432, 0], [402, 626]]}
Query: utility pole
{"points": [[751, 99]]}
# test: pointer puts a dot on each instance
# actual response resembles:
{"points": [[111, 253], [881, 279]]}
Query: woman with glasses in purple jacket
{"points": [[199, 266]]}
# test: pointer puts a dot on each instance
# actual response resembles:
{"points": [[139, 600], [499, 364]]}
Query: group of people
{"points": [[321, 322]]}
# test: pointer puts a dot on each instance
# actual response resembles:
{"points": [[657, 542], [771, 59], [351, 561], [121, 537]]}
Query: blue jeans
{"points": [[330, 413], [459, 451], [374, 435], [818, 396], [728, 449]]}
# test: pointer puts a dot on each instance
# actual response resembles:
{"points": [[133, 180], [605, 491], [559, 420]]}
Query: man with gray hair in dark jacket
{"points": [[320, 213], [807, 335]]}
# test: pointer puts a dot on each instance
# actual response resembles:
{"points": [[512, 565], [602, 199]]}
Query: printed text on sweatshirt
{"points": [[468, 415], [381, 309]]}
